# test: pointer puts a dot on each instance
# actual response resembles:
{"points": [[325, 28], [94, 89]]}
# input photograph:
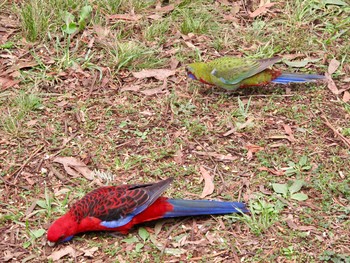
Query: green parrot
{"points": [[231, 73]]}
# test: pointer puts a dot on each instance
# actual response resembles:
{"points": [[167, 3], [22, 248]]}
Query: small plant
{"points": [[289, 252], [34, 20], [242, 111], [33, 235], [290, 190], [262, 215], [71, 26], [242, 114], [299, 167], [331, 256], [144, 235]]}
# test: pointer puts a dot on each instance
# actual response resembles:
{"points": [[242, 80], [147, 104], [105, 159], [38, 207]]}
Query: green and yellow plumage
{"points": [[231, 73]]}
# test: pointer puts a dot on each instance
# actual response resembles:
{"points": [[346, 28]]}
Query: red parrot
{"points": [[231, 73], [118, 208]]}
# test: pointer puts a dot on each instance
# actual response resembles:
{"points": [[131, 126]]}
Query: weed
{"points": [[262, 215], [34, 20], [291, 189], [298, 168]]}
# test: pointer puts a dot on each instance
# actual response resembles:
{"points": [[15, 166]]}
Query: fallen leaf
{"points": [[220, 157], [240, 126], [131, 88], [61, 253], [160, 74], [273, 171], [208, 182], [252, 149], [102, 32], [6, 83], [178, 157], [261, 9], [333, 66], [89, 252], [25, 64], [264, 191], [151, 92], [190, 45], [74, 167], [289, 132], [294, 226], [166, 9], [346, 96], [331, 84], [125, 17], [173, 63], [31, 123], [155, 17]]}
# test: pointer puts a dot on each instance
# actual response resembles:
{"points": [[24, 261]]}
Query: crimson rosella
{"points": [[231, 73], [118, 208]]}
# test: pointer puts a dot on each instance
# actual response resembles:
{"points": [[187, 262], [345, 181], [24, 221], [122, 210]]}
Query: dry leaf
{"points": [[173, 63], [346, 96], [273, 171], [61, 253], [331, 84], [333, 66], [294, 226], [74, 167], [289, 132], [125, 17], [102, 32], [151, 92], [178, 157], [261, 9], [6, 83], [208, 182], [166, 9], [264, 191], [155, 17], [252, 149], [160, 74], [131, 88], [220, 157], [89, 252]]}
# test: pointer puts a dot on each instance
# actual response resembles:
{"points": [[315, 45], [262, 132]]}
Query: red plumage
{"points": [[119, 208]]}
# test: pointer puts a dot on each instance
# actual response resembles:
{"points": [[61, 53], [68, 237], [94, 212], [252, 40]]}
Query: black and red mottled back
{"points": [[116, 202]]}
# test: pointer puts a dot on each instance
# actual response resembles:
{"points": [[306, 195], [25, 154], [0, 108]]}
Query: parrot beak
{"points": [[51, 244], [190, 74]]}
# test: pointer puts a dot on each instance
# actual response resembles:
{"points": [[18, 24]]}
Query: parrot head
{"points": [[63, 229], [200, 71], [191, 72]]}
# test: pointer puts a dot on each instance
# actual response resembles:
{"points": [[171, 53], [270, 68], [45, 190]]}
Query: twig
{"points": [[210, 256], [344, 140], [213, 161], [25, 163]]}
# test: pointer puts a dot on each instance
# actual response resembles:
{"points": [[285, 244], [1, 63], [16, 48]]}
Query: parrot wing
{"points": [[116, 206], [233, 71]]}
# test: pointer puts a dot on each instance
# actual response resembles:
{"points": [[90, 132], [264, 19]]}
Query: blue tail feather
{"points": [[203, 207], [286, 78]]}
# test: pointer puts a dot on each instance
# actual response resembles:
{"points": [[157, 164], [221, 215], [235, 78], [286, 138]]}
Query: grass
{"points": [[72, 103]]}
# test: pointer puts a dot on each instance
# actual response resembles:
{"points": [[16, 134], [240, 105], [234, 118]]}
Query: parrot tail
{"points": [[286, 78], [203, 207]]}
